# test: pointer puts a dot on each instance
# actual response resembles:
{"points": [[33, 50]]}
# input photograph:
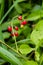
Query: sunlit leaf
{"points": [[37, 34], [25, 49]]}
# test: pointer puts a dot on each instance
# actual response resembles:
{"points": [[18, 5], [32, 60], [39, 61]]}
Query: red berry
{"points": [[20, 17], [9, 28], [16, 28], [24, 22], [12, 34], [16, 33]]}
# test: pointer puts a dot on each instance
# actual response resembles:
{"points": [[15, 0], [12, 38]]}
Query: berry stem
{"points": [[16, 43], [14, 37]]}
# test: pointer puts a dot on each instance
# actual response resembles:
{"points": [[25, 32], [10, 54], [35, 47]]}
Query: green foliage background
{"points": [[30, 39]]}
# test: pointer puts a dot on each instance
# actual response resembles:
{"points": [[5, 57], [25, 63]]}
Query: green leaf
{"points": [[20, 0], [8, 23], [26, 6], [25, 49], [26, 31], [6, 35], [36, 8], [1, 35], [9, 56], [26, 41], [35, 15], [37, 56], [37, 34], [41, 60], [30, 63], [18, 9]]}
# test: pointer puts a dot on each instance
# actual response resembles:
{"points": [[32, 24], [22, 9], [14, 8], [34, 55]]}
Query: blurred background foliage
{"points": [[32, 12]]}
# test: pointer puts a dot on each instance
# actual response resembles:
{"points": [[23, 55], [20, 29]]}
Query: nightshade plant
{"points": [[21, 32]]}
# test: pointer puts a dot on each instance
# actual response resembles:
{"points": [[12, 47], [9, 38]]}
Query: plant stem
{"points": [[16, 43], [13, 32]]}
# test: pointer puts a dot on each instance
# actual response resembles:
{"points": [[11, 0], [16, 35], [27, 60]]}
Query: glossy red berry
{"points": [[9, 28], [16, 33], [16, 28], [24, 22], [20, 17]]}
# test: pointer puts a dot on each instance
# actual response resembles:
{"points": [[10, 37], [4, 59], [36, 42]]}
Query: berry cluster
{"points": [[16, 27], [10, 30], [23, 22]]}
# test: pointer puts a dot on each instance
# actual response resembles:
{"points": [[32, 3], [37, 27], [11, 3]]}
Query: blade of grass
{"points": [[8, 11], [9, 57], [14, 51]]}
